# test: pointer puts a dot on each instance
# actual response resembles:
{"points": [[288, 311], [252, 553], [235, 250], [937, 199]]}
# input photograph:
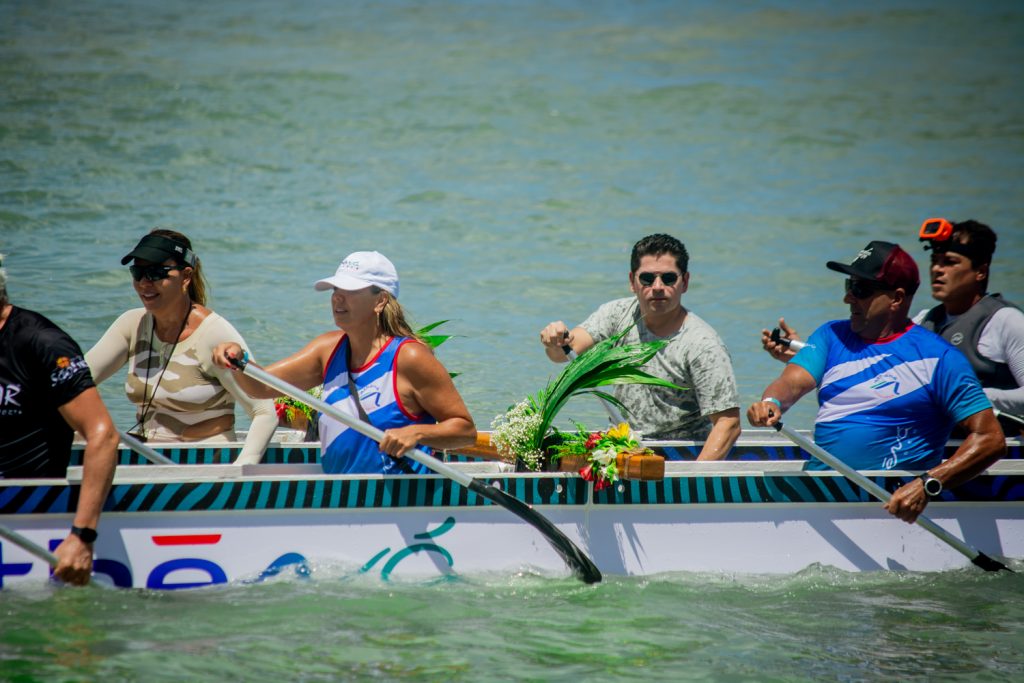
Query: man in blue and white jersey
{"points": [[889, 392]]}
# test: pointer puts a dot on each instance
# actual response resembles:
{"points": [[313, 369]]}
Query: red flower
{"points": [[601, 483], [281, 410], [587, 473], [592, 440]]}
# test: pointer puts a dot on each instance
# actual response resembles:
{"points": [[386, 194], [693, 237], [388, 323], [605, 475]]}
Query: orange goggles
{"points": [[938, 229]]}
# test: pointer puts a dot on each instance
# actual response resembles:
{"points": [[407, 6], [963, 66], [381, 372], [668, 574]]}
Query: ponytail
{"points": [[392, 318], [197, 286]]}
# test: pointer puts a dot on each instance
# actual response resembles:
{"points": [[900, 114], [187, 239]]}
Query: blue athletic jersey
{"points": [[891, 404], [346, 451]]}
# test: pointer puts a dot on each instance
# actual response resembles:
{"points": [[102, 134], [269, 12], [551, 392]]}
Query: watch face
{"points": [[932, 486], [87, 535]]}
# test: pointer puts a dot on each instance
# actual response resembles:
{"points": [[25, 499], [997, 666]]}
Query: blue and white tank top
{"points": [[346, 451], [889, 404]]}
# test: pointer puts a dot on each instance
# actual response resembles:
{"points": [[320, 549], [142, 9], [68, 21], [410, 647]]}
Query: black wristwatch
{"points": [[932, 486], [87, 535]]}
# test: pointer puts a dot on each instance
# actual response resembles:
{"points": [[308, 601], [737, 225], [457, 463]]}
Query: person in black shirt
{"points": [[46, 394]]}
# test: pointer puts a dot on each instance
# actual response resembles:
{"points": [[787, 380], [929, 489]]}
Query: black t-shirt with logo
{"points": [[41, 369]]}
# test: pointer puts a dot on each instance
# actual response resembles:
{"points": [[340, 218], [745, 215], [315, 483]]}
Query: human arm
{"points": [[713, 384], [263, 422], [1002, 340], [425, 386], [725, 429], [557, 335], [303, 369], [984, 445], [778, 351], [787, 389], [110, 353], [609, 319], [87, 415], [263, 418]]}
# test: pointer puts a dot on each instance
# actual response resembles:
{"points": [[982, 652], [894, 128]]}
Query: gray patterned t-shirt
{"points": [[695, 358]]}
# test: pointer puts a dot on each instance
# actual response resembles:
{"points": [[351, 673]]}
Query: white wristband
{"points": [[769, 399]]}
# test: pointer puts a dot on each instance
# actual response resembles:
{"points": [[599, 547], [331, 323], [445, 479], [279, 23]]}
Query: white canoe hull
{"points": [[170, 527]]}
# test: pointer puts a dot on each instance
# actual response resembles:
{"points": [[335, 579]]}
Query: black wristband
{"points": [[87, 535]]}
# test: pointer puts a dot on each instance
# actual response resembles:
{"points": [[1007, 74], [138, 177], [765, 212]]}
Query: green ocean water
{"points": [[817, 625], [506, 156]]}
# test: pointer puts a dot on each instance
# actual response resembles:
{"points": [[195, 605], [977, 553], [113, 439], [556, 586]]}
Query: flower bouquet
{"points": [[296, 414], [524, 433], [600, 456]]}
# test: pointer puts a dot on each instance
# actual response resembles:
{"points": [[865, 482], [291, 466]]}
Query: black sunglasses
{"points": [[667, 279], [862, 289], [151, 273]]}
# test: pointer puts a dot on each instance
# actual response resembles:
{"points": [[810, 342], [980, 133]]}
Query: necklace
{"points": [[146, 404]]}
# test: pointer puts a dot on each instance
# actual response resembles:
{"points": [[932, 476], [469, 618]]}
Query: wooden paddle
{"points": [[483, 448], [581, 565], [975, 556]]}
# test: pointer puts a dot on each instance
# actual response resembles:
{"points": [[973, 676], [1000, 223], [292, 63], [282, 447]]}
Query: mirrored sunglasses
{"points": [[152, 273]]}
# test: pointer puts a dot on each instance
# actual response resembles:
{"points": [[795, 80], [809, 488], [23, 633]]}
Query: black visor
{"points": [[157, 248]]}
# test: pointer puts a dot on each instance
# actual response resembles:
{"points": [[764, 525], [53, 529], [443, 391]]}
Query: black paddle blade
{"points": [[580, 564], [988, 564]]}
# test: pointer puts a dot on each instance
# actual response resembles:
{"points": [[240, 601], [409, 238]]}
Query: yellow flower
{"points": [[619, 432]]}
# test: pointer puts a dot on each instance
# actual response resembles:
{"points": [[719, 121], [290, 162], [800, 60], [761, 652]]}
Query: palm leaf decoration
{"points": [[433, 340], [605, 364]]}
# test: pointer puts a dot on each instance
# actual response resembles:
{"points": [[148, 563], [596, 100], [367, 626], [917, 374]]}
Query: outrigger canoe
{"points": [[204, 521]]}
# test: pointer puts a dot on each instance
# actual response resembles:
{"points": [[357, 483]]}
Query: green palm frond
{"points": [[435, 340], [427, 328], [605, 364]]}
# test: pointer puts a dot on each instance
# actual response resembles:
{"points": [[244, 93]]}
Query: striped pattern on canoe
{"points": [[309, 453], [567, 490]]}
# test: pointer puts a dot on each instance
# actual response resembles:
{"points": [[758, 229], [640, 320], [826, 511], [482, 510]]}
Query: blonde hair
{"points": [[197, 286], [392, 317]]}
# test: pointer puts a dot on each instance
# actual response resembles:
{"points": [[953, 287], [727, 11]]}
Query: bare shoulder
{"points": [[330, 338], [417, 358], [323, 345]]}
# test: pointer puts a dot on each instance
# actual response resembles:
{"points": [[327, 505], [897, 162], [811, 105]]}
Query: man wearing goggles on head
{"points": [[985, 327], [694, 358], [889, 392]]}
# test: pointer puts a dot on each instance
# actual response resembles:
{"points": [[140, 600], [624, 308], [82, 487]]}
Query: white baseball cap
{"points": [[363, 269]]}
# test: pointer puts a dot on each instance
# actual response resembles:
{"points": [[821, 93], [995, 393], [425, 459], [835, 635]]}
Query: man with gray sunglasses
{"points": [[695, 357]]}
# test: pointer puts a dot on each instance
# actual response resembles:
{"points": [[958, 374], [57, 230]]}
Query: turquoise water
{"points": [[506, 156]]}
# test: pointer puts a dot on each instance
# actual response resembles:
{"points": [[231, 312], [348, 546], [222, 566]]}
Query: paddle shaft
{"points": [[27, 545], [144, 450], [581, 565], [1013, 418], [976, 556]]}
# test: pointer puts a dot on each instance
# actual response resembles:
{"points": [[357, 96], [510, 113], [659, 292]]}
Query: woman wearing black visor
{"points": [[179, 394]]}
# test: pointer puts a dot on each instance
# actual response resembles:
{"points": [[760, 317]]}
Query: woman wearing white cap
{"points": [[373, 368], [179, 393]]}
